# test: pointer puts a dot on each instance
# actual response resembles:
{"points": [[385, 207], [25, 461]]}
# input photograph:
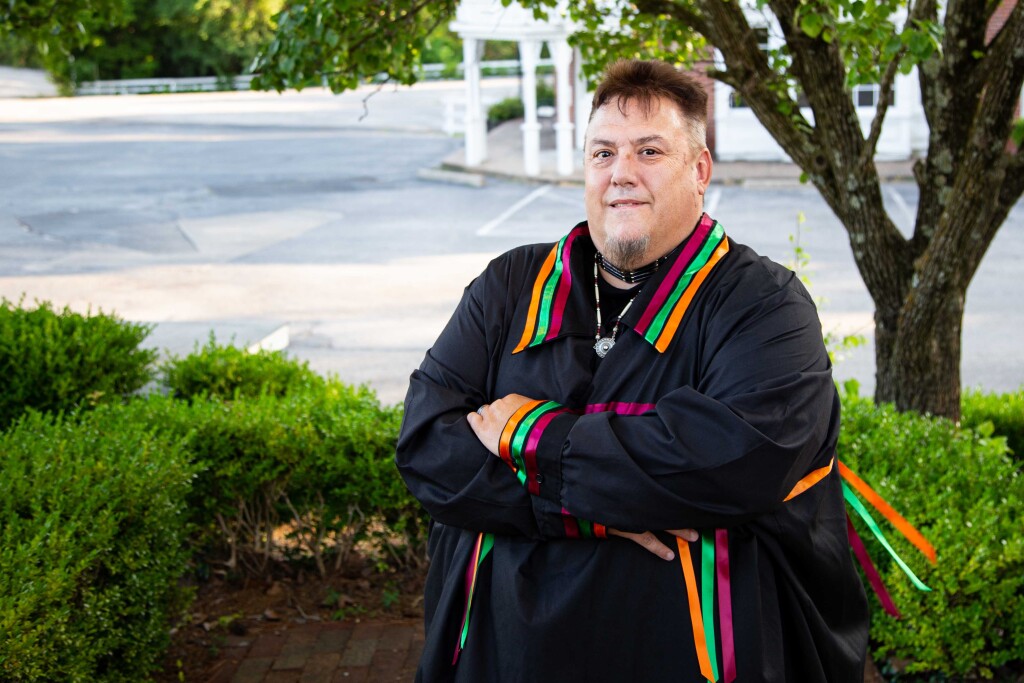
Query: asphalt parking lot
{"points": [[255, 215]]}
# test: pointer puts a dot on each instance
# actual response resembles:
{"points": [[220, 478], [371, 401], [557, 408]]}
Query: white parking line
{"points": [[901, 204], [489, 227]]}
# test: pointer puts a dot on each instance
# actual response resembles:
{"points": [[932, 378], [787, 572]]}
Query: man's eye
{"points": [[648, 152], [603, 154]]}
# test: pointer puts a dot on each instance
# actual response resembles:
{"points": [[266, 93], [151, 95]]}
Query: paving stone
{"points": [[252, 670], [267, 645], [325, 662], [395, 637], [282, 677], [333, 640], [352, 674], [292, 661], [358, 653], [365, 631], [303, 636], [299, 649]]}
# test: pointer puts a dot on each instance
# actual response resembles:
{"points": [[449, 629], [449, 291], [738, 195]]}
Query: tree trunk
{"points": [[917, 361]]}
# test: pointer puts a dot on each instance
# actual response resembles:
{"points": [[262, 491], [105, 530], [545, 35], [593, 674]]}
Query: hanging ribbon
{"points": [[699, 641], [484, 543], [725, 605], [869, 569], [855, 503], [897, 520], [707, 598]]}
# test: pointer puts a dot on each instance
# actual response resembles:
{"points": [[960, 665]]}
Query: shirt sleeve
{"points": [[765, 413], [447, 469]]}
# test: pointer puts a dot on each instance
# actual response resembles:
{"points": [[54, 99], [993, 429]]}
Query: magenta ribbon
{"points": [[869, 569], [725, 605]]}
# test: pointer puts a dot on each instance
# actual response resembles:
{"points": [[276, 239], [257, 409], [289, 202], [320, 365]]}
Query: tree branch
{"points": [[679, 11], [867, 153], [918, 12]]}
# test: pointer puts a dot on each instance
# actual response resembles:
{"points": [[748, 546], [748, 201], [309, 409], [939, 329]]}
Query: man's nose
{"points": [[624, 170]]}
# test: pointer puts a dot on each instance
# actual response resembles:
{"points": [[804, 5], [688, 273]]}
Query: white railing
{"points": [[141, 86], [138, 86]]}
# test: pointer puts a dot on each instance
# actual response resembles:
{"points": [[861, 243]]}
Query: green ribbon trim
{"points": [[855, 503], [707, 596], [711, 243], [485, 547], [548, 296]]}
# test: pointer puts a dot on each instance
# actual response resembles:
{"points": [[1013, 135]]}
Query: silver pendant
{"points": [[603, 346]]}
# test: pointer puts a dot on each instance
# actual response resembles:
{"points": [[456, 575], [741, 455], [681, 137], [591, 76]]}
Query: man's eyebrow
{"points": [[647, 139]]}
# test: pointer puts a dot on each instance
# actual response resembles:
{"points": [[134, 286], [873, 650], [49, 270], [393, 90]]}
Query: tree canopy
{"points": [[109, 39]]}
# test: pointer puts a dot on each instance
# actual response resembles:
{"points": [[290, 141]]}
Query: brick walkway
{"points": [[325, 653]]}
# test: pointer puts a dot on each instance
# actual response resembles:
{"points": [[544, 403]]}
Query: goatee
{"points": [[626, 254]]}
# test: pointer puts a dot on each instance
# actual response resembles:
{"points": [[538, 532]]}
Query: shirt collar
{"points": [[562, 301]]}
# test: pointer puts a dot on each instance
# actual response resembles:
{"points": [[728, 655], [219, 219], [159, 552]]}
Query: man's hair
{"points": [[644, 82]]}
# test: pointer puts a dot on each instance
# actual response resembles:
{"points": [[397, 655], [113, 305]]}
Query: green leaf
{"points": [[812, 24], [1017, 133]]}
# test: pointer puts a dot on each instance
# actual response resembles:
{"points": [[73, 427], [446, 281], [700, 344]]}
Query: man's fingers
{"points": [[648, 542], [685, 534]]}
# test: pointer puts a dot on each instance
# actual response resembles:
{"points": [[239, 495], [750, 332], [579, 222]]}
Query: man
{"points": [[646, 373]]}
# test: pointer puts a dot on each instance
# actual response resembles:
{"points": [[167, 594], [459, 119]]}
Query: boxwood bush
{"points": [[958, 487], [93, 545], [1005, 412], [230, 372], [58, 360], [318, 461]]}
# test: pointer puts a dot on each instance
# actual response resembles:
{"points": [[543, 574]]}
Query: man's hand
{"points": [[651, 544], [489, 419]]}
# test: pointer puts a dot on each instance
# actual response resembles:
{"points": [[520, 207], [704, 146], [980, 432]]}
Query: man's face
{"points": [[644, 181]]}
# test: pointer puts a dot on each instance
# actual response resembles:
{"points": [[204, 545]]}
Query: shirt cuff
{"points": [[531, 444], [554, 521]]}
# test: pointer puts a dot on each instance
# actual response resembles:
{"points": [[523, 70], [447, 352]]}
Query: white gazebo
{"points": [[477, 21]]}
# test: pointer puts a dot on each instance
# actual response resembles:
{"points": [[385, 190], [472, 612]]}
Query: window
{"points": [[867, 95]]}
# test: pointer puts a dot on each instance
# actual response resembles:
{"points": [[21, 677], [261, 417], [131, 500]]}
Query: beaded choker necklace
{"points": [[633, 277], [602, 345]]}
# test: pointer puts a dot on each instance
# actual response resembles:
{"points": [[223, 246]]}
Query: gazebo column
{"points": [[583, 101], [476, 122], [561, 53], [529, 55]]}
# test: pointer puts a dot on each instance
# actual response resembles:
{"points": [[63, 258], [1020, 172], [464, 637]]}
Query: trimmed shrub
{"points": [[959, 488], [318, 461], [506, 110], [93, 545], [54, 361], [228, 372], [1005, 412]]}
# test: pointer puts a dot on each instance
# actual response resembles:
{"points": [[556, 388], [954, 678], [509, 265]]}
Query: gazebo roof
{"points": [[490, 20]]}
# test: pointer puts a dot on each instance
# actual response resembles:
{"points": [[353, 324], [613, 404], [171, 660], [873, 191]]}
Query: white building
{"points": [[735, 134], [477, 21]]}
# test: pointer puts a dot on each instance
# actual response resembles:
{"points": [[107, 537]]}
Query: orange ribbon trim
{"points": [[897, 520], [538, 288], [693, 598], [505, 443], [811, 479], [676, 316]]}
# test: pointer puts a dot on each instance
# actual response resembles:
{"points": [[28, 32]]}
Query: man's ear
{"points": [[703, 170]]}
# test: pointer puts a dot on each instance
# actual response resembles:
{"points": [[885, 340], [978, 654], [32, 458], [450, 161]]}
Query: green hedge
{"points": [[965, 495], [319, 460], [230, 372], [54, 361], [93, 546], [1004, 411]]}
